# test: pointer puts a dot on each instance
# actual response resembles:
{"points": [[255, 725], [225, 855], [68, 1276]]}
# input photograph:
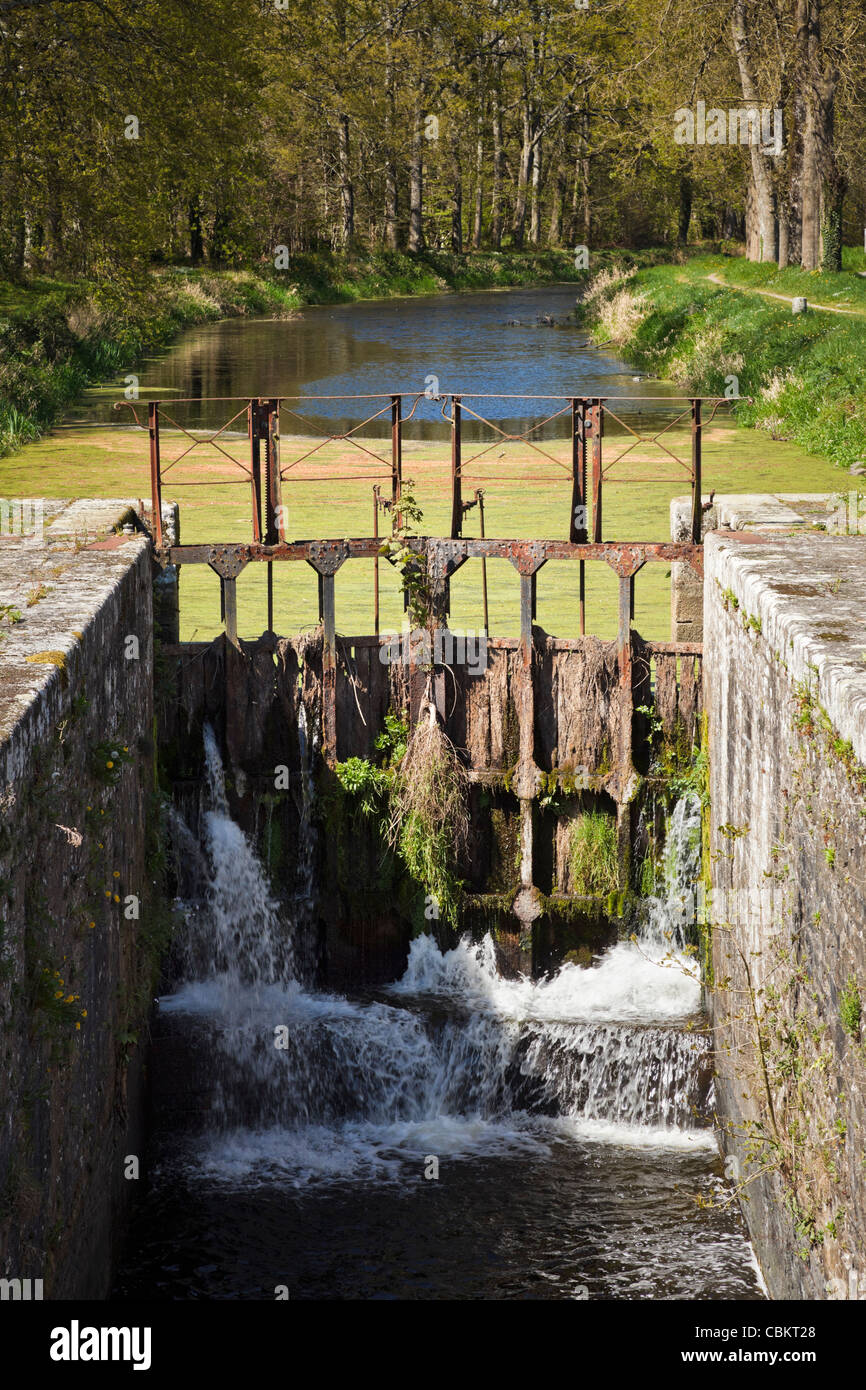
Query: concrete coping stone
{"points": [[809, 594], [77, 583], [750, 511]]}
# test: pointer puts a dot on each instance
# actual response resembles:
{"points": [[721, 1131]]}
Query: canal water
{"points": [[457, 1135], [511, 344]]}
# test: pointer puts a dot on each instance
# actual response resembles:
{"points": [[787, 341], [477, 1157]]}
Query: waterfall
{"points": [[452, 1059], [305, 903], [671, 914]]}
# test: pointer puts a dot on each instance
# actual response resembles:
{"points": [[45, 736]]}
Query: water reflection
{"points": [[516, 343]]}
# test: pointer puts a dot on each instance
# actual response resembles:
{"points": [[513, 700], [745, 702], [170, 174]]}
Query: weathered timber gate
{"points": [[549, 716]]}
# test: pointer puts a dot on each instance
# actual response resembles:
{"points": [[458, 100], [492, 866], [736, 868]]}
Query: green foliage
{"points": [[417, 800], [367, 784], [811, 719], [58, 1006], [733, 832], [593, 855], [429, 817], [851, 1008], [675, 761], [800, 377], [393, 739], [411, 564]]}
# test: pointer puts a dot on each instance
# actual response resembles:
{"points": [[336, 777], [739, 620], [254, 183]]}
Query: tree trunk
{"points": [[496, 216], [196, 240], [416, 185], [555, 235], [810, 183], [784, 238], [581, 208], [347, 190], [524, 174], [831, 226], [390, 233], [456, 197], [823, 186], [478, 219], [53, 256], [216, 247], [19, 236], [795, 180], [685, 210], [761, 205], [535, 216]]}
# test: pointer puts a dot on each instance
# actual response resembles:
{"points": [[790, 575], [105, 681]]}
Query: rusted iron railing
{"points": [[588, 416], [587, 470]]}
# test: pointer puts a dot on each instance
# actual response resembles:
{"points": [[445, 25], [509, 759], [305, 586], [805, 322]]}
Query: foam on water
{"points": [[632, 982], [455, 1061]]}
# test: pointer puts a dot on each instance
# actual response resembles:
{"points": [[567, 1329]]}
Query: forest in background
{"points": [[239, 133]]}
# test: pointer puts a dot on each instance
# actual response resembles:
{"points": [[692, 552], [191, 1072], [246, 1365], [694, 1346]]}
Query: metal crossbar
{"points": [[266, 475]]}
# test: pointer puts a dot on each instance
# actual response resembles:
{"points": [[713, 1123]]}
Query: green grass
{"points": [[804, 374], [106, 463], [844, 291], [593, 858]]}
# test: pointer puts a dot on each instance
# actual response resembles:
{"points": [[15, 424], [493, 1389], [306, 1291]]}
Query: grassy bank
{"points": [[57, 337], [803, 375]]}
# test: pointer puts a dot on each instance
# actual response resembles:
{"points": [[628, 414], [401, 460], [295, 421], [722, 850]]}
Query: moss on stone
{"points": [[51, 658]]}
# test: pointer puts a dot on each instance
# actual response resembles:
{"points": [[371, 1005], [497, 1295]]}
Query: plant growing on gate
{"points": [[418, 798], [429, 817], [593, 854], [411, 564]]}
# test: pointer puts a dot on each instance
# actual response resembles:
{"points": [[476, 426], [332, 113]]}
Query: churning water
{"points": [[457, 1135]]}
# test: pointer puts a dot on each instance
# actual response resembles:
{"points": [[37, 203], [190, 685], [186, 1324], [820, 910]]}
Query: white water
{"points": [[305, 910], [454, 1061]]}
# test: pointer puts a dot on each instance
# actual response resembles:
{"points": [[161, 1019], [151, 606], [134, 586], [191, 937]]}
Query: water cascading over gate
{"points": [[372, 1144], [452, 1045]]}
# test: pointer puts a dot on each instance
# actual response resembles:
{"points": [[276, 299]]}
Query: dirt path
{"points": [[786, 299]]}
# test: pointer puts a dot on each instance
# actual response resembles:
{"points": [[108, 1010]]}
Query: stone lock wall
{"points": [[785, 694], [81, 920]]}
